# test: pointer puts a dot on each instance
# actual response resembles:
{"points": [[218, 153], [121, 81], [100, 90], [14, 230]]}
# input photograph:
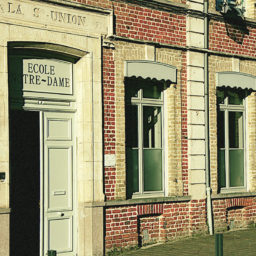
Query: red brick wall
{"points": [[235, 217], [134, 21], [121, 227], [150, 223], [149, 229], [127, 225], [198, 217], [234, 213], [175, 221], [232, 39], [109, 118], [152, 25]]}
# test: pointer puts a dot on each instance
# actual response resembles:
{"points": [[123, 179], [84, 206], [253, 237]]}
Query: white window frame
{"points": [[226, 108], [140, 102]]}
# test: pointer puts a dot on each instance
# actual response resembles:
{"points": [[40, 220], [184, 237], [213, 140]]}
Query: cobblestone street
{"points": [[242, 242]]}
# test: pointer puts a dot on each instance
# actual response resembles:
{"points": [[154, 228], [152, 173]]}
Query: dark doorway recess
{"points": [[25, 183]]}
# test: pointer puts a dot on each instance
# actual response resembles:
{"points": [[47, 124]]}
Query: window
{"points": [[231, 139], [144, 140]]}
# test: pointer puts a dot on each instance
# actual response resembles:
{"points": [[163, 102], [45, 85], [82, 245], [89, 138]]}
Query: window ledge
{"points": [[233, 194], [5, 210], [148, 200]]}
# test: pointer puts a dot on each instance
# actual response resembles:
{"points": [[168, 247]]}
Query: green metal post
{"points": [[219, 245], [51, 253]]}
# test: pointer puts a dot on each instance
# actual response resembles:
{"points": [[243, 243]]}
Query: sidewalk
{"points": [[242, 242]]}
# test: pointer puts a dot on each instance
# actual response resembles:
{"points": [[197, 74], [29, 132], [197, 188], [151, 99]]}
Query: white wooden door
{"points": [[59, 222]]}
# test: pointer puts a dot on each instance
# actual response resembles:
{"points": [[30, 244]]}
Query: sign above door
{"points": [[47, 76]]}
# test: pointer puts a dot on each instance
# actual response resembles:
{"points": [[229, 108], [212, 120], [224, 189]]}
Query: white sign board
{"points": [[47, 76]]}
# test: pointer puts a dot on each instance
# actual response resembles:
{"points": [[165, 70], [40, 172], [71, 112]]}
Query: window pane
{"points": [[236, 166], [152, 126], [132, 171], [236, 130], [235, 98], [221, 129], [220, 96], [221, 168], [152, 169], [131, 126], [131, 90], [152, 91]]}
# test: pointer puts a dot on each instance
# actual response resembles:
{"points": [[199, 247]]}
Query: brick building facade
{"points": [[164, 135]]}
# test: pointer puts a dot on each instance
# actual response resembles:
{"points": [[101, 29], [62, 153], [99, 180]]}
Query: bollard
{"points": [[52, 253], [219, 245]]}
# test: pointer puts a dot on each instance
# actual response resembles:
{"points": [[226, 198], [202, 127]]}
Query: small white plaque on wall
{"points": [[109, 160]]}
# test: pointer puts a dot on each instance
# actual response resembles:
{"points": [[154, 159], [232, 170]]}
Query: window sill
{"points": [[233, 190], [232, 194], [148, 195], [148, 200]]}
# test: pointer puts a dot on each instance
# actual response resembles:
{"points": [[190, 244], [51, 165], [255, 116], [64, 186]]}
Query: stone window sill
{"points": [[148, 200], [234, 194]]}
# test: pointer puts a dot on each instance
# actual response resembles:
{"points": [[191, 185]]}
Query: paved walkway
{"points": [[242, 242]]}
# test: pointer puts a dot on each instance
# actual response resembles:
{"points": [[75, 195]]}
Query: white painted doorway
{"points": [[58, 188], [42, 157], [42, 162]]}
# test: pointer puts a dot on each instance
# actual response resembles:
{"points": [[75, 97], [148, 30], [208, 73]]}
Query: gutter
{"points": [[207, 134]]}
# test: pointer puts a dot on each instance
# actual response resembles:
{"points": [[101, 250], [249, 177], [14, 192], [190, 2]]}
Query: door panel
{"points": [[60, 192], [59, 166], [59, 129], [61, 234]]}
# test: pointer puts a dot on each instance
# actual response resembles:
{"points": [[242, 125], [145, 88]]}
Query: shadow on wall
{"points": [[236, 28]]}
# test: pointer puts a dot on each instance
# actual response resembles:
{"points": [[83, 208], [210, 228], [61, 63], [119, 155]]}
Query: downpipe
{"points": [[207, 150], [207, 141]]}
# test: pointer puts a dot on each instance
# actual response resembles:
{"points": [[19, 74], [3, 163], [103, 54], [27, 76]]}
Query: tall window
{"points": [[231, 139], [144, 145]]}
